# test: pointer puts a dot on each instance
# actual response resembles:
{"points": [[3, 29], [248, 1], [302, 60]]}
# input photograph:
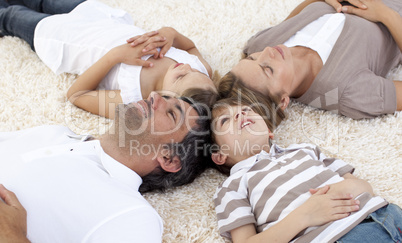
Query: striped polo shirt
{"points": [[265, 188]]}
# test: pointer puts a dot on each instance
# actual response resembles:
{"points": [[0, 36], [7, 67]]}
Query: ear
{"points": [[168, 164], [219, 158], [284, 102], [270, 134]]}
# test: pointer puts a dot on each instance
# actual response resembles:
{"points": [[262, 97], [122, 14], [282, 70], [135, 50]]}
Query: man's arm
{"points": [[13, 218], [319, 209]]}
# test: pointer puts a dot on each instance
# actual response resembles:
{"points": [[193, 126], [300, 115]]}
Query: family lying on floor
{"points": [[157, 88]]}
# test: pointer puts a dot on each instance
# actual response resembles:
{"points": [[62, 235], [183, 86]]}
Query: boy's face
{"points": [[239, 131]]}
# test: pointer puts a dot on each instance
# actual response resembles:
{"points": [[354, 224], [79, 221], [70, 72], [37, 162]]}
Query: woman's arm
{"points": [[334, 3], [398, 89], [83, 92], [377, 11], [319, 209]]}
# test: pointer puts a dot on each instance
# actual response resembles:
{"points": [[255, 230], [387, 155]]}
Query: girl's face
{"points": [[239, 131], [181, 77], [269, 72]]}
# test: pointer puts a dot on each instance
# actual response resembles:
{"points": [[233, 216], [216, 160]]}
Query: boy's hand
{"points": [[322, 208], [13, 218]]}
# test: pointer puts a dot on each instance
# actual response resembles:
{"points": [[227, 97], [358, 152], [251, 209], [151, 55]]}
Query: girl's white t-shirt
{"points": [[73, 42]]}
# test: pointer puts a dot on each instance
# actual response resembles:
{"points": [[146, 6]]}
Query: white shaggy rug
{"points": [[31, 95]]}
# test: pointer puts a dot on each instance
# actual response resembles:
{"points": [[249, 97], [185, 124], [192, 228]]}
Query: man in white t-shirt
{"points": [[76, 188]]}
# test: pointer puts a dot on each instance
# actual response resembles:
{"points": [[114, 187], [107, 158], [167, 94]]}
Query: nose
{"points": [[240, 114], [187, 67], [267, 52], [156, 100]]}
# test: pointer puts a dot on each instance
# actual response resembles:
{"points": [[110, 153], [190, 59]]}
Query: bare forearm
{"points": [[398, 90], [393, 21], [91, 78], [300, 7], [283, 231], [352, 185], [180, 41]]}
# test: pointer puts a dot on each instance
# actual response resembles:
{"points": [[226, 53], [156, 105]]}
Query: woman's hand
{"points": [[375, 10], [162, 38], [322, 208], [338, 6]]}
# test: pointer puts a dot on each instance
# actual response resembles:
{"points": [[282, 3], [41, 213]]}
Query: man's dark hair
{"points": [[193, 153]]}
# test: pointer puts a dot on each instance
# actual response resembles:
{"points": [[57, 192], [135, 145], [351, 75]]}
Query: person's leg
{"points": [[383, 225], [20, 21], [51, 6], [3, 4]]}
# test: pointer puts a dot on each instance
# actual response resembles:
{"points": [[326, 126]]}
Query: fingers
{"points": [[163, 51], [320, 191], [154, 43], [357, 4], [139, 39], [147, 39], [335, 4], [9, 197]]}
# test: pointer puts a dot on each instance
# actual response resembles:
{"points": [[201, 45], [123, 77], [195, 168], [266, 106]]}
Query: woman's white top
{"points": [[73, 42], [320, 35]]}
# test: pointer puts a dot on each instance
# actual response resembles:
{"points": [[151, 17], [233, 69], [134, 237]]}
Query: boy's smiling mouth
{"points": [[245, 123]]}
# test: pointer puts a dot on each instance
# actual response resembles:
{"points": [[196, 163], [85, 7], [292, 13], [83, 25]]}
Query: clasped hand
{"points": [[372, 10], [162, 38]]}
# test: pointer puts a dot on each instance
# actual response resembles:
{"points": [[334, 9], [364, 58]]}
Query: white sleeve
{"points": [[138, 225]]}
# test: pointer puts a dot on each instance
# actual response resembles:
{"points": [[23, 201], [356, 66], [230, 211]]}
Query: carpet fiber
{"points": [[32, 95]]}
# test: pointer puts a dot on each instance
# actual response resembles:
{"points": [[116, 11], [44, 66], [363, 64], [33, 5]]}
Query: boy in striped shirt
{"points": [[270, 192]]}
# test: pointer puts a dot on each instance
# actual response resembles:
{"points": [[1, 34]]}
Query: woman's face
{"points": [[269, 72], [181, 77]]}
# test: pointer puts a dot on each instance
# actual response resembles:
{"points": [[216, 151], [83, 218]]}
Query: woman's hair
{"points": [[204, 96]]}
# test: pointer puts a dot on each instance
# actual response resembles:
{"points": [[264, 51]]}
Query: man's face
{"points": [[155, 121]]}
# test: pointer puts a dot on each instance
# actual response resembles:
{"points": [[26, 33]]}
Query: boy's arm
{"points": [[351, 185], [319, 209], [83, 92]]}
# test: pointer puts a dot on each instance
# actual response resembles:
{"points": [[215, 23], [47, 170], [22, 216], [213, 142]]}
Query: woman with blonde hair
{"points": [[328, 56]]}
